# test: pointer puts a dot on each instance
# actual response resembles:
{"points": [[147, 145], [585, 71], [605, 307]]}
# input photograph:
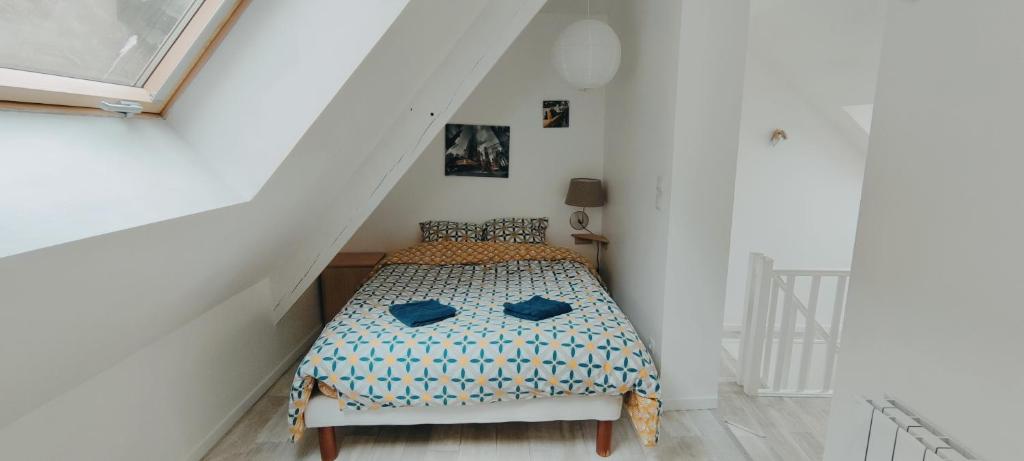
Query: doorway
{"points": [[808, 95]]}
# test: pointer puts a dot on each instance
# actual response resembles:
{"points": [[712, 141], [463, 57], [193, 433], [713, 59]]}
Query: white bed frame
{"points": [[324, 414]]}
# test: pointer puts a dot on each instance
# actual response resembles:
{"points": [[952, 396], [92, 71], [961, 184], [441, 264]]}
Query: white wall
{"points": [[934, 308], [541, 163], [639, 142], [669, 166], [798, 201], [202, 376], [712, 49]]}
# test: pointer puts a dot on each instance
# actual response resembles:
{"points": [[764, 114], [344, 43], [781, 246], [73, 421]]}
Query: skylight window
{"points": [[87, 52]]}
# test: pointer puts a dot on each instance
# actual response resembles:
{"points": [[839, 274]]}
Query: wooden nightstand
{"points": [[340, 280]]}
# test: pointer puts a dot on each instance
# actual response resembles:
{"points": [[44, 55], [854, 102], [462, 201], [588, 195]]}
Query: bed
{"points": [[366, 368]]}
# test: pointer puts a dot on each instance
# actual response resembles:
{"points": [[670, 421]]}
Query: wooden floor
{"points": [[262, 434], [793, 430], [773, 428]]}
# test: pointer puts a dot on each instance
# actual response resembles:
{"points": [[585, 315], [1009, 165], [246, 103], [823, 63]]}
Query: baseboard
{"points": [[232, 417], [707, 403], [732, 328]]}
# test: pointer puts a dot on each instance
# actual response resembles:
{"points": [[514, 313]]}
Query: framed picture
{"points": [[476, 150], [556, 114]]}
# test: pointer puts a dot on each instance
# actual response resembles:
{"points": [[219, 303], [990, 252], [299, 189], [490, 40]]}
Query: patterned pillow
{"points": [[433, 231], [516, 230]]}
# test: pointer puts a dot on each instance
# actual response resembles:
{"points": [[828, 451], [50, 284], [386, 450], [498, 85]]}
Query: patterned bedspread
{"points": [[367, 359]]}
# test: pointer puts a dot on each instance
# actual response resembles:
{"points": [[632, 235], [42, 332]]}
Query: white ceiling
{"points": [[829, 49], [862, 114]]}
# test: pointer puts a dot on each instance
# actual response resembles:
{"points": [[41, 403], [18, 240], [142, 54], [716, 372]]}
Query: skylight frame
{"points": [[43, 92]]}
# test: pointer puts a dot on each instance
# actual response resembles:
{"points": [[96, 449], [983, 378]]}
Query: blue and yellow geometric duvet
{"points": [[369, 360]]}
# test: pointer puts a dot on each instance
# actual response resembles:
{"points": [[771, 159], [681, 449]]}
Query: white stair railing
{"points": [[784, 317]]}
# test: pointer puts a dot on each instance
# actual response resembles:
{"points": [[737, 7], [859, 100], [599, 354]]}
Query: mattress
{"points": [[369, 361]]}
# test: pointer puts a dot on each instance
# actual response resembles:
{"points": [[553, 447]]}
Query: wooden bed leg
{"points": [[604, 438], [328, 445]]}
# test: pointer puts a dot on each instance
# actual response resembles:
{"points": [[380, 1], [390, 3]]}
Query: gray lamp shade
{"points": [[585, 193]]}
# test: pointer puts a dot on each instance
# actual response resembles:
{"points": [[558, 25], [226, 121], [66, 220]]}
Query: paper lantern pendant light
{"points": [[587, 54]]}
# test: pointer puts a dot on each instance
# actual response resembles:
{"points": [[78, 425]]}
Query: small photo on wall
{"points": [[476, 150], [556, 114]]}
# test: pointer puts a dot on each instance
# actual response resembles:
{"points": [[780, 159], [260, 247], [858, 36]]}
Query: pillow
{"points": [[516, 230], [433, 231]]}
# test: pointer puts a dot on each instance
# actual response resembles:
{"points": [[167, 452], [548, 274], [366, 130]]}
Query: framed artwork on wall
{"points": [[476, 150], [556, 114]]}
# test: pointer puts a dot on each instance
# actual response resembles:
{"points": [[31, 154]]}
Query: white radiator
{"points": [[895, 433]]}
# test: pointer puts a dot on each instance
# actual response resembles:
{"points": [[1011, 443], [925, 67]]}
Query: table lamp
{"points": [[584, 193]]}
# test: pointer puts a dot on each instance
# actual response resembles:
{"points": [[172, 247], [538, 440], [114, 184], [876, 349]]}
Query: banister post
{"points": [[753, 271], [753, 349]]}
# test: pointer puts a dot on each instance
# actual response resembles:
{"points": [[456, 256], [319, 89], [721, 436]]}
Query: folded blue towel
{"points": [[419, 313], [537, 308]]}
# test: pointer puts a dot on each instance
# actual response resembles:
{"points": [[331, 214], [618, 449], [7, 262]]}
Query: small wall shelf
{"points": [[585, 238]]}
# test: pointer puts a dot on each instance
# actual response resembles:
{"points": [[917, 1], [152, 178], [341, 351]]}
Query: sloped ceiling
{"points": [[67, 178], [862, 114], [576, 7], [247, 109], [343, 200], [829, 50], [73, 310]]}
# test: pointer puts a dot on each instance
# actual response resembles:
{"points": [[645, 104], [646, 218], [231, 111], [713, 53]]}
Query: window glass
{"points": [[112, 41]]}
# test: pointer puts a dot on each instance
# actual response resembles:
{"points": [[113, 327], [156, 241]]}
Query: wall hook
{"points": [[778, 136]]}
